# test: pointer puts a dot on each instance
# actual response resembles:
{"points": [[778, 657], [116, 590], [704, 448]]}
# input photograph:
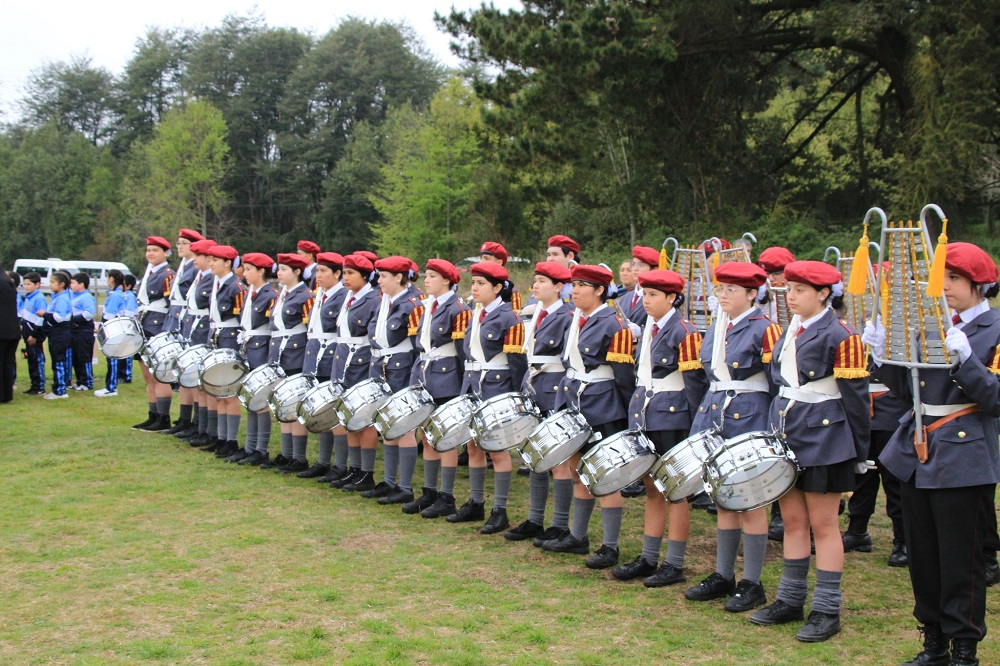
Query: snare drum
{"points": [[120, 337], [750, 471], [156, 343], [317, 411], [163, 360], [555, 440], [616, 462], [221, 372], [450, 425], [678, 472], [257, 386], [286, 396], [404, 412], [189, 362], [504, 421], [356, 406]]}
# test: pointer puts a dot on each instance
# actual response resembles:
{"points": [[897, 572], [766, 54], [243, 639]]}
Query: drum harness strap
{"points": [[145, 305], [278, 319], [577, 370], [344, 337], [539, 364], [479, 363], [813, 392], [672, 383], [725, 383]]}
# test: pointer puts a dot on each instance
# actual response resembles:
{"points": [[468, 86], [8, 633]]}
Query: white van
{"points": [[98, 272], [45, 268]]}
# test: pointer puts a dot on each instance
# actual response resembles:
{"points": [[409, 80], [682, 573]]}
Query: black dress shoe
{"points": [[161, 424], [498, 521], [992, 570], [293, 467], [567, 543], [935, 652], [381, 489], [333, 474], [667, 574], [776, 529], [153, 416], [715, 586], [444, 505], [963, 652], [605, 558], [819, 627], [634, 489], [859, 542], [746, 597], [276, 461], [899, 557], [777, 613], [178, 427], [238, 456], [189, 432], [352, 473], [230, 447], [360, 483], [549, 534], [397, 496], [314, 471], [469, 512], [525, 530], [640, 567], [254, 459], [428, 498], [201, 439], [214, 446]]}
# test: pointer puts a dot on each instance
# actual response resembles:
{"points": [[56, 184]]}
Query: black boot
{"points": [[360, 483], [425, 500], [963, 652], [153, 416], [470, 511], [776, 528], [899, 557], [189, 432], [444, 505], [276, 461], [229, 448], [333, 474], [498, 521], [399, 495], [180, 426], [859, 541], [215, 446], [935, 652], [352, 473], [254, 459], [200, 439], [161, 424], [316, 470]]}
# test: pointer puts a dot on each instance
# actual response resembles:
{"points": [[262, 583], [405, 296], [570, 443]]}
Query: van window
{"points": [[24, 270], [92, 272]]}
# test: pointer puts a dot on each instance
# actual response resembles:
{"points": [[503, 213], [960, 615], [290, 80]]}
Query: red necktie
{"points": [[323, 299], [541, 317], [434, 308], [731, 325], [635, 299], [800, 332], [656, 329], [350, 302], [482, 315], [253, 295], [956, 320], [583, 322]]}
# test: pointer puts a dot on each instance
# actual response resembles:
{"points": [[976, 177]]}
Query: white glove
{"points": [[863, 467], [636, 331], [713, 303], [874, 336], [957, 342]]}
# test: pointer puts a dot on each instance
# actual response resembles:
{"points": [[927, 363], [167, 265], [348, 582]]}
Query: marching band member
{"points": [[564, 251], [599, 381], [736, 354], [225, 309], [351, 366], [626, 278], [113, 306], [152, 294], [543, 343], [391, 333], [442, 327], [255, 340], [309, 250], [187, 273], [82, 331], [57, 331], [321, 344], [822, 413], [195, 331], [671, 383], [948, 489], [289, 318], [496, 253], [644, 259], [495, 364]]}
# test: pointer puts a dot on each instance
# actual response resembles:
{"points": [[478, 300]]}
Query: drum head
{"points": [[616, 463], [749, 472]]}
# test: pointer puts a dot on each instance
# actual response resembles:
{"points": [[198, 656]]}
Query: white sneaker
{"points": [[105, 393], [80, 387], [53, 396]]}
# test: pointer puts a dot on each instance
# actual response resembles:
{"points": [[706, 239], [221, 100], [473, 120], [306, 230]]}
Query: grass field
{"points": [[119, 547]]}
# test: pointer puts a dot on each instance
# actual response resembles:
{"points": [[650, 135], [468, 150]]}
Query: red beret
{"points": [[741, 273], [972, 262], [774, 259], [646, 255], [490, 270], [414, 266], [496, 249], [816, 273], [330, 260], [223, 252], [663, 280], [202, 246], [709, 247], [553, 271], [293, 260], [566, 242], [307, 246], [358, 262], [446, 269], [394, 264], [190, 234], [159, 241], [370, 256], [593, 274], [258, 259]]}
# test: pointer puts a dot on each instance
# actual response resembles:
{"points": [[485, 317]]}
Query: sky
{"points": [[34, 33]]}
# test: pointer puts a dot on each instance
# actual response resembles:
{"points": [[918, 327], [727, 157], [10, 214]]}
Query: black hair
{"points": [[988, 289], [83, 279], [61, 277], [116, 275], [14, 278], [566, 251], [128, 281], [835, 302], [506, 287], [679, 301], [370, 276], [33, 277]]}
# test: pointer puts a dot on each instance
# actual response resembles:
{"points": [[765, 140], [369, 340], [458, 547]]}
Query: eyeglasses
{"points": [[728, 291]]}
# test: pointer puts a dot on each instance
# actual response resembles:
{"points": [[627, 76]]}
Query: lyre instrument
{"points": [[692, 265]]}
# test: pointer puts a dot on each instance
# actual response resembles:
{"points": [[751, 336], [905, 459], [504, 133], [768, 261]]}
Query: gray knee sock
{"points": [[163, 406], [234, 426], [501, 489], [185, 414], [340, 450], [431, 470], [299, 444], [286, 445], [538, 495], [368, 460], [611, 520], [675, 552], [213, 424], [223, 427], [794, 582], [152, 407], [562, 500], [448, 480], [754, 552], [263, 431], [390, 464], [354, 455], [651, 548], [582, 509], [407, 463], [826, 596], [251, 441], [202, 419], [477, 484], [325, 448], [726, 550]]}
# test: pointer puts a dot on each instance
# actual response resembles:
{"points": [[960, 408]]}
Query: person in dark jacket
{"points": [[10, 333]]}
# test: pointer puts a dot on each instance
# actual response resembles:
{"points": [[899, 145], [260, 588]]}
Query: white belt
{"points": [[449, 350], [877, 389], [602, 373], [33, 319], [155, 308], [229, 323], [289, 332], [357, 341], [672, 383], [401, 348], [260, 330], [324, 337], [820, 390], [198, 313], [755, 384], [476, 366], [944, 410], [542, 364]]}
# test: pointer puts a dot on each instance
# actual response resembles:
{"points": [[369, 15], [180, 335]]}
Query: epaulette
{"points": [[620, 349], [515, 301], [413, 323], [850, 359], [994, 365], [238, 301], [267, 312], [513, 343], [689, 353], [166, 284], [460, 324], [306, 309], [771, 336]]}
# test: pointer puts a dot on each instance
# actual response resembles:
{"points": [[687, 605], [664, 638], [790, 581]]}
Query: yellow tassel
{"points": [[458, 335], [684, 366], [850, 373], [935, 279], [620, 358], [859, 267], [766, 358], [513, 349], [663, 258], [715, 264], [412, 330]]}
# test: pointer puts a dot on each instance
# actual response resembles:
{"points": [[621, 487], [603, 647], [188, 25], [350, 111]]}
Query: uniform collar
{"points": [[361, 292], [297, 285], [224, 279], [973, 312], [494, 304], [444, 298], [806, 323], [661, 323], [741, 317], [157, 267]]}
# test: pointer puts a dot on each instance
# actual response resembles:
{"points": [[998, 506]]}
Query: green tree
{"points": [[75, 95]]}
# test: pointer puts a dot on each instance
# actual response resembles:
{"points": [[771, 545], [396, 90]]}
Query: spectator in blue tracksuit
{"points": [[57, 330], [131, 309], [32, 310], [84, 309], [114, 306]]}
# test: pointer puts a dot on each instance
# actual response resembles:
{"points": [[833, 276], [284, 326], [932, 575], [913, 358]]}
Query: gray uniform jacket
{"points": [[256, 347], [550, 340], [319, 353], [194, 327], [501, 331], [289, 351], [351, 363], [442, 375], [402, 326], [158, 291], [182, 283], [229, 302]]}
